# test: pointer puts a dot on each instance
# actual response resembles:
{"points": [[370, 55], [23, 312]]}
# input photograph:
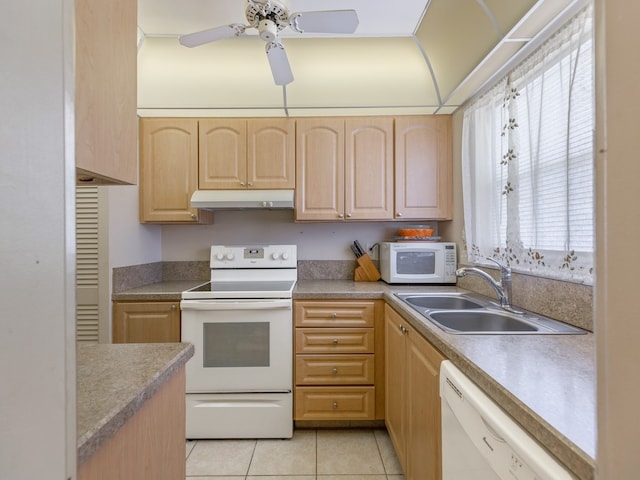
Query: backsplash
{"points": [[326, 269], [565, 301], [134, 276], [569, 302]]}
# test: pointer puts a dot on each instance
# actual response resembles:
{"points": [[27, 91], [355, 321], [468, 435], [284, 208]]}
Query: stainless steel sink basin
{"points": [[461, 313], [444, 302], [483, 321]]}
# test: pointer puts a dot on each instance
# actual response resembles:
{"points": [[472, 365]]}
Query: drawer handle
{"points": [[334, 371], [334, 315], [335, 405], [335, 341]]}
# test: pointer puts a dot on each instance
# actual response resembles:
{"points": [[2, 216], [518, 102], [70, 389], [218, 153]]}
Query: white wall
{"points": [[37, 244], [130, 242], [617, 232], [316, 241]]}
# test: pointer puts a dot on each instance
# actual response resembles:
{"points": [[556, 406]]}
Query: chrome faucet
{"points": [[502, 288]]}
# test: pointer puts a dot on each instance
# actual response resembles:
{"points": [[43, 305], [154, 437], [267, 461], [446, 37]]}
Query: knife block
{"points": [[366, 271]]}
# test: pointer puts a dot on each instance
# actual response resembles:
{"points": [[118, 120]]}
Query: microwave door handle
{"points": [[236, 304]]}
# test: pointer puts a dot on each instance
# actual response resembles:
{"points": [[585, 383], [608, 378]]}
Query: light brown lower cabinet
{"points": [[146, 322], [149, 445], [412, 402], [339, 360]]}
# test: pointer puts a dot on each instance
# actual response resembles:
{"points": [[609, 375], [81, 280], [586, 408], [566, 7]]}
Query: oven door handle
{"points": [[244, 304]]}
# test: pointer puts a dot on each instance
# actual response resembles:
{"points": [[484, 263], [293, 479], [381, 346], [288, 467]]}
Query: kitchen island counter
{"points": [[114, 381]]}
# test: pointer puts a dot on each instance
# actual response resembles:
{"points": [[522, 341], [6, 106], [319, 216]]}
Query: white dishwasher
{"points": [[481, 442]]}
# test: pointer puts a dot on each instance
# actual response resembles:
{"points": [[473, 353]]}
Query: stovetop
{"points": [[241, 289], [249, 271]]}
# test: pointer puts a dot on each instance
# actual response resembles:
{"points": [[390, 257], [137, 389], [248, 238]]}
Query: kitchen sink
{"points": [[444, 302], [461, 313], [482, 321]]}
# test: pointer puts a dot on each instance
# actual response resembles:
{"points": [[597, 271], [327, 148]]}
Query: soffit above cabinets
{"points": [[427, 56]]}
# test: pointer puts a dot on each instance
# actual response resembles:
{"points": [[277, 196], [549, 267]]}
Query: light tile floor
{"points": [[349, 454]]}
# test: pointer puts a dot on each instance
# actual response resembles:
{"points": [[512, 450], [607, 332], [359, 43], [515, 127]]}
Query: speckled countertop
{"points": [[157, 291], [114, 381], [545, 382]]}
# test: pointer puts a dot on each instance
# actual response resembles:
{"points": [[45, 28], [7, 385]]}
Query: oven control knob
{"points": [[275, 255], [285, 255], [230, 256], [220, 256]]}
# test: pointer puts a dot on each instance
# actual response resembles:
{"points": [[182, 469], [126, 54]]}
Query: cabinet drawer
{"points": [[334, 369], [334, 403], [334, 314], [334, 340]]}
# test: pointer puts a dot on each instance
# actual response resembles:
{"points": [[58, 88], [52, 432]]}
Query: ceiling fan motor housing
{"points": [[271, 10]]}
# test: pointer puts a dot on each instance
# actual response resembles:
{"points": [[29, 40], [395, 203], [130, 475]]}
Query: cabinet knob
{"points": [[242, 184], [348, 215], [334, 371], [193, 216], [250, 184], [402, 329], [399, 214], [334, 405], [335, 341], [174, 307], [334, 315], [340, 215]]}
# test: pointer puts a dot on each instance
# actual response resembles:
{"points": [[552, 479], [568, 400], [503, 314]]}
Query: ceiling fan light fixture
{"points": [[268, 30]]}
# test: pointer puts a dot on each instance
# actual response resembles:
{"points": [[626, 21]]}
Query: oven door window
{"points": [[416, 263], [237, 344]]}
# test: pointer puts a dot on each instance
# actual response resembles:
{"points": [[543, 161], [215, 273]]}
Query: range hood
{"points": [[232, 199]]}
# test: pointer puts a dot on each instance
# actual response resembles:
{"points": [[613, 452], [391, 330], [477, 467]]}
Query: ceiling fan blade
{"points": [[211, 35], [279, 63], [327, 21]]}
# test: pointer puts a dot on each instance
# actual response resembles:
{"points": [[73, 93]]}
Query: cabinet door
{"points": [[423, 168], [369, 168], [395, 382], [320, 169], [169, 170], [146, 322], [423, 455], [105, 91], [222, 154], [271, 153]]}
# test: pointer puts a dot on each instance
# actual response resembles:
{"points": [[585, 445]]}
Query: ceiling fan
{"points": [[271, 16]]}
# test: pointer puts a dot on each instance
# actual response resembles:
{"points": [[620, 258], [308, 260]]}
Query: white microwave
{"points": [[418, 262]]}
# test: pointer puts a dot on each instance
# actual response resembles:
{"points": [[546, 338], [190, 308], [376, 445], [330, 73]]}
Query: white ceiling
{"points": [[378, 18]]}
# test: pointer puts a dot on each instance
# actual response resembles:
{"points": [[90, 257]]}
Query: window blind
{"points": [[528, 158]]}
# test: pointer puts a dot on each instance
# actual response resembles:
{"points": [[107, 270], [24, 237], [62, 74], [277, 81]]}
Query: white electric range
{"points": [[239, 381]]}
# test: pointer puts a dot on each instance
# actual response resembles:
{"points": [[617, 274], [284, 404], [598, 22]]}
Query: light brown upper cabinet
{"points": [[344, 169], [169, 171], [105, 92], [423, 167], [247, 153]]}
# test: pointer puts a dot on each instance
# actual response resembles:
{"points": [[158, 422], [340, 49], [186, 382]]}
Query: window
{"points": [[527, 160]]}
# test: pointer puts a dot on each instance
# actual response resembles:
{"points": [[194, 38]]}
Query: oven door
{"points": [[241, 345]]}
